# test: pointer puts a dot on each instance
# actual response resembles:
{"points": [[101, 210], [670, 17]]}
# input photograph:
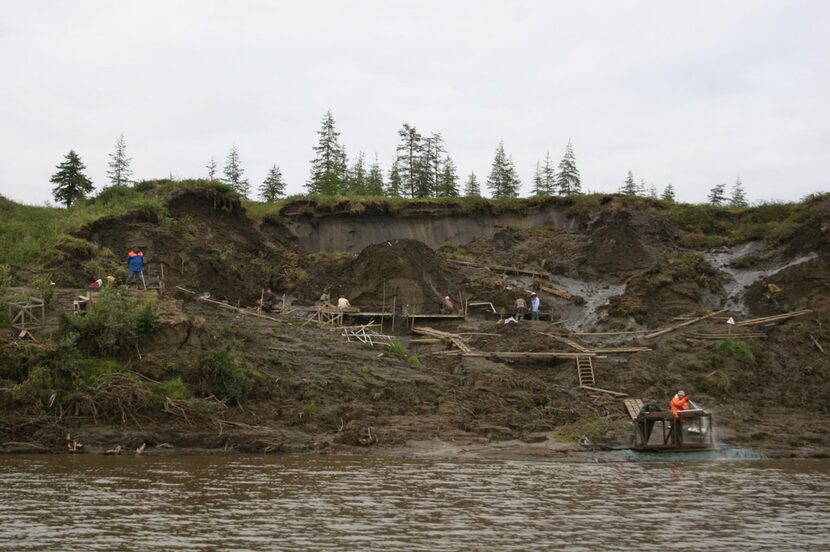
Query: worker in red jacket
{"points": [[679, 402]]}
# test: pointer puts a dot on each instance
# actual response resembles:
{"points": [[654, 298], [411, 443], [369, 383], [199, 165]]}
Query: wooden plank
{"points": [[425, 316], [569, 342], [633, 407], [504, 268], [612, 333], [684, 324], [556, 292], [597, 389], [775, 318], [513, 354], [617, 350]]}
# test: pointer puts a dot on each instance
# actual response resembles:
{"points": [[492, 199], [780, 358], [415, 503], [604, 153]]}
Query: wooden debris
{"points": [[514, 354], [775, 318], [115, 450], [482, 304], [629, 332], [561, 293], [678, 326], [723, 336], [616, 350], [455, 339], [608, 391], [232, 308], [140, 449], [367, 336], [505, 269], [817, 344], [569, 342]]}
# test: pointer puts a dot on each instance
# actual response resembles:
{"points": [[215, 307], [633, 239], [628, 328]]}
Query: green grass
{"points": [[736, 349], [33, 235]]}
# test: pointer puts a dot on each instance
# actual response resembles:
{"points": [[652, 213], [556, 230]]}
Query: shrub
{"points": [[736, 349], [113, 324], [174, 388], [226, 378], [397, 349], [311, 409]]}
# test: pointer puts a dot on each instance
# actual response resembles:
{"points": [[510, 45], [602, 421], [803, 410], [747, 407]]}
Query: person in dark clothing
{"points": [[269, 300], [135, 263]]}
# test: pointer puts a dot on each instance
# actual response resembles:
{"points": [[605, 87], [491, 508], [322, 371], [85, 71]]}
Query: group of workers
{"points": [[520, 306]]}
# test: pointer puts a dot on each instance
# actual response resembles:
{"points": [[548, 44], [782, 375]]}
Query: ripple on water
{"points": [[331, 503]]}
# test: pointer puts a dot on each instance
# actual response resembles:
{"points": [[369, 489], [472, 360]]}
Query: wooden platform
{"points": [[633, 407], [514, 355]]}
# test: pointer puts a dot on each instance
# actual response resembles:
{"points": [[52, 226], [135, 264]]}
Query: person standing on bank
{"points": [[135, 263], [535, 305], [520, 306]]}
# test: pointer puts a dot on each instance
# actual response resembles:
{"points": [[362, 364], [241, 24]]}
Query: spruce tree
{"points": [[717, 195], [356, 178], [549, 175], [503, 181], [431, 166], [448, 180], [395, 186], [273, 187], [374, 182], [71, 184], [539, 186], [233, 173], [641, 188], [652, 191], [668, 193], [119, 171], [471, 187], [211, 167], [410, 163], [738, 198], [629, 187], [568, 181], [329, 166]]}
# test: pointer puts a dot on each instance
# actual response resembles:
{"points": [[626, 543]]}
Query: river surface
{"points": [[349, 503]]}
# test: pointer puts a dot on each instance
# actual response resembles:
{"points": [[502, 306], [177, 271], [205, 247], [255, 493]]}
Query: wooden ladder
{"points": [[585, 371]]}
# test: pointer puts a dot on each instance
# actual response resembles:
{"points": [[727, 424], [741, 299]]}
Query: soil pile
{"points": [[207, 244], [683, 284], [407, 269], [803, 286], [620, 242]]}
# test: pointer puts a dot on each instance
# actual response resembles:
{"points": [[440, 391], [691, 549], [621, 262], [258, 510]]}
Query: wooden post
{"points": [[394, 301], [383, 307], [161, 283], [283, 303], [261, 299]]}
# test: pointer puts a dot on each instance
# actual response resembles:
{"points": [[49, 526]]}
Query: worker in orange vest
{"points": [[679, 402]]}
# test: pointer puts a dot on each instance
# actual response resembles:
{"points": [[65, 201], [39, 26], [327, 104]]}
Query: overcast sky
{"points": [[691, 93]]}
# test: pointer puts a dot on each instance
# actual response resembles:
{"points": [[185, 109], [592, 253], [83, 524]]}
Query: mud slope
{"points": [[352, 233], [208, 244]]}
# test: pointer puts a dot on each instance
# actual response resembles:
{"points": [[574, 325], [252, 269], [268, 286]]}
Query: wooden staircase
{"points": [[585, 371]]}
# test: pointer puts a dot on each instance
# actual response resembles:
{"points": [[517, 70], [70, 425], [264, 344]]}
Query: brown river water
{"points": [[356, 503]]}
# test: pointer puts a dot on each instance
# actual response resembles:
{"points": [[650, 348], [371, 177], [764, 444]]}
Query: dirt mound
{"points": [[803, 286], [410, 270], [208, 244], [620, 242], [684, 283]]}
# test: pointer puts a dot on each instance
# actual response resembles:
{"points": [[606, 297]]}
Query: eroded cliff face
{"points": [[349, 233]]}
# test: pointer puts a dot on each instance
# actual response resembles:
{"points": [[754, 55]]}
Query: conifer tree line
{"points": [[421, 168]]}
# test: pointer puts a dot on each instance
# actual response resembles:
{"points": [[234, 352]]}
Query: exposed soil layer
{"points": [[767, 385]]}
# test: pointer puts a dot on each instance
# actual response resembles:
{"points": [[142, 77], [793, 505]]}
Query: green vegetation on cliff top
{"points": [[32, 236]]}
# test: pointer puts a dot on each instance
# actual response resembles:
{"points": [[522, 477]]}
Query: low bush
{"points": [[736, 349], [224, 376], [113, 324]]}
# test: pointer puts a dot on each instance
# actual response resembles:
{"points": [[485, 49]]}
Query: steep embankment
{"points": [[191, 373], [345, 229]]}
